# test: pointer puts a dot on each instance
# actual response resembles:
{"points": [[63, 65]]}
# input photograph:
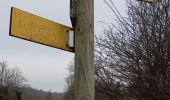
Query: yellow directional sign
{"points": [[30, 27]]}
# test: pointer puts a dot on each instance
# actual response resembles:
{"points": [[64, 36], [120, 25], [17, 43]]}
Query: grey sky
{"points": [[44, 67]]}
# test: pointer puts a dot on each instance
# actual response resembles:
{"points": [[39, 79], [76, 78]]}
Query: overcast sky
{"points": [[44, 67]]}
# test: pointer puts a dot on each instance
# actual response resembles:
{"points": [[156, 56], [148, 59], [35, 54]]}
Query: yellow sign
{"points": [[30, 27]]}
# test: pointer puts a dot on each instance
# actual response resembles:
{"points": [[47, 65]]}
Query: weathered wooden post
{"points": [[83, 23]]}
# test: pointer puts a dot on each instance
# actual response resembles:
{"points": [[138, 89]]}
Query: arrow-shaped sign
{"points": [[31, 27]]}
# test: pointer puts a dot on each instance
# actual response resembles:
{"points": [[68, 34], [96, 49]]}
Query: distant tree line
{"points": [[13, 87], [132, 56]]}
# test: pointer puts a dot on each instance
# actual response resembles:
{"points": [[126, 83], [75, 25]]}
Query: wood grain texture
{"points": [[84, 51]]}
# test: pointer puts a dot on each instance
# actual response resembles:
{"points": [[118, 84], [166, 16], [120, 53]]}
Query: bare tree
{"points": [[132, 56], [69, 90], [10, 79]]}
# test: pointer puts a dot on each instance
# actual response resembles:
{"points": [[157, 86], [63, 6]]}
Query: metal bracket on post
{"points": [[73, 14], [70, 39]]}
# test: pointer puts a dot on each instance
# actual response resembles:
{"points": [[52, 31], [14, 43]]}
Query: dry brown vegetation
{"points": [[132, 55]]}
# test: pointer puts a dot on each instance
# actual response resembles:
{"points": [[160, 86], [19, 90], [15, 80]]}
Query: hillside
{"points": [[33, 94]]}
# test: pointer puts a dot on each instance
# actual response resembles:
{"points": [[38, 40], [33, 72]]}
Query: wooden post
{"points": [[84, 50], [18, 94]]}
